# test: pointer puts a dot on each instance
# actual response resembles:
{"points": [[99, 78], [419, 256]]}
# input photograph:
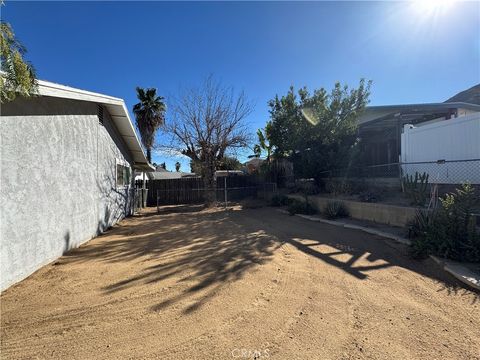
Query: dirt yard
{"points": [[241, 284]]}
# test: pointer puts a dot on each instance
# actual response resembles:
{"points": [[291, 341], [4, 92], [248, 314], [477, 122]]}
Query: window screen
{"points": [[123, 175]]}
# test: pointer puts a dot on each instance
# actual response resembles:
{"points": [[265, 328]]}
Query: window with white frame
{"points": [[123, 174]]}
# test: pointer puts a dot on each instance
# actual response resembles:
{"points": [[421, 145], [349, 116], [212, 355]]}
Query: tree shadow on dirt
{"points": [[205, 249], [345, 248], [208, 249]]}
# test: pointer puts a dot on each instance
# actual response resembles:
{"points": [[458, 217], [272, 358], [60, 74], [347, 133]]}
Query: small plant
{"points": [[335, 209], [449, 231], [280, 200], [416, 188], [300, 207], [369, 196], [420, 224], [360, 186], [421, 231], [307, 187], [461, 240], [338, 187]]}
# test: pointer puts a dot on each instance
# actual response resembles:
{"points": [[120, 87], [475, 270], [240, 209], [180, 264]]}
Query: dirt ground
{"points": [[241, 284]]}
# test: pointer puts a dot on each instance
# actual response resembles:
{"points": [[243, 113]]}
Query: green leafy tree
{"points": [[150, 116], [317, 131], [177, 166], [286, 122], [195, 167], [263, 145], [17, 77], [229, 163], [163, 166]]}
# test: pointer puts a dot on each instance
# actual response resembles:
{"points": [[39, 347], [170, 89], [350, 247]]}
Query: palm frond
{"points": [[149, 115]]}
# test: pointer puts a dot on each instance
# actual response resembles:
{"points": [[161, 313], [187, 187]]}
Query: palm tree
{"points": [[263, 145], [17, 76], [150, 115]]}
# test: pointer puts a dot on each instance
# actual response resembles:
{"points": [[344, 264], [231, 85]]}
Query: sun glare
{"points": [[431, 7]]}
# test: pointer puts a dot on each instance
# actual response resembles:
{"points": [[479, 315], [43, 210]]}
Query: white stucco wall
{"points": [[57, 183]]}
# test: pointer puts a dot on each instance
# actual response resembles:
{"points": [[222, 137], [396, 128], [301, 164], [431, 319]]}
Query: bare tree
{"points": [[207, 122]]}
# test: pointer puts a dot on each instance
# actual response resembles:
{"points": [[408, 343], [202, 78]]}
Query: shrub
{"points": [[280, 200], [449, 231], [338, 187], [421, 231], [307, 187], [416, 188], [420, 224], [359, 186], [335, 209], [369, 196], [300, 207]]}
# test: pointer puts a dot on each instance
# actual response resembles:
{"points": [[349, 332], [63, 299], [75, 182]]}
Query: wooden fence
{"points": [[192, 190]]}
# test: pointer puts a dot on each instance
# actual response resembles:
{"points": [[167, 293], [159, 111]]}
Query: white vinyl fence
{"points": [[449, 150]]}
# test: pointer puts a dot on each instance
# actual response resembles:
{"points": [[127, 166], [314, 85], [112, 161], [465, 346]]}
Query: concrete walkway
{"points": [[469, 274], [347, 225]]}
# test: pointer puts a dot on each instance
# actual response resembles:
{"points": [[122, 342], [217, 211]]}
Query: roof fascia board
{"points": [[46, 88]]}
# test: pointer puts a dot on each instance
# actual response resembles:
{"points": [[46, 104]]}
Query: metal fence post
{"points": [[225, 190], [400, 175]]}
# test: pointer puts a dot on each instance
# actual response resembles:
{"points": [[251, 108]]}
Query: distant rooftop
{"points": [[468, 99], [374, 113]]}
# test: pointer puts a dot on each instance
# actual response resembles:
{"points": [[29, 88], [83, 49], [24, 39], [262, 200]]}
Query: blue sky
{"points": [[412, 51]]}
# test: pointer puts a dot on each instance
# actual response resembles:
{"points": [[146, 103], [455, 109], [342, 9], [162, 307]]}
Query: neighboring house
{"points": [[161, 174], [441, 139], [380, 127], [253, 165], [67, 159]]}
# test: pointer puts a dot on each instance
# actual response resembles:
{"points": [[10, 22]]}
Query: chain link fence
{"points": [[445, 171], [386, 180], [224, 195], [439, 172]]}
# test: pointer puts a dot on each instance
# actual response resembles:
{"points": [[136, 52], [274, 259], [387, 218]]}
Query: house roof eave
{"points": [[117, 110]]}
